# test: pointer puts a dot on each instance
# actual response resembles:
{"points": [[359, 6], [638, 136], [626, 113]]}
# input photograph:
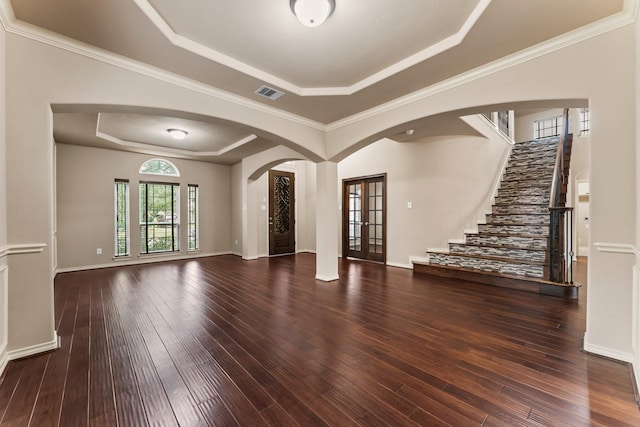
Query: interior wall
{"points": [[85, 204], [448, 182], [636, 267], [3, 210], [3, 142], [308, 227], [236, 209]]}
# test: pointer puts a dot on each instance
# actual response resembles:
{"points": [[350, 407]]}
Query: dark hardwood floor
{"points": [[221, 341]]}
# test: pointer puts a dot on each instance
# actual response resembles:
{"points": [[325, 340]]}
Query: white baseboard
{"points": [[608, 352], [636, 375], [237, 253], [4, 359], [250, 258], [144, 260], [327, 278], [438, 250], [35, 349], [418, 260], [306, 251], [400, 265]]}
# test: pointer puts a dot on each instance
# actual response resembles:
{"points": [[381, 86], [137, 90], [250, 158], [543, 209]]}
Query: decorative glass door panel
{"points": [[364, 228], [355, 217], [281, 213]]}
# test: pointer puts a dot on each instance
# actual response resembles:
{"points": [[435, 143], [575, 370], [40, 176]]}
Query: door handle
{"points": [[364, 223]]}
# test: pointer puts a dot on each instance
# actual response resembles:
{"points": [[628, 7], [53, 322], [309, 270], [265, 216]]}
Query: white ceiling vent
{"points": [[269, 92]]}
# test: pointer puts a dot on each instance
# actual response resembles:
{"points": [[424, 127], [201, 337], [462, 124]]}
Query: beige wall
{"points": [[85, 205], [236, 209], [3, 177], [449, 182]]}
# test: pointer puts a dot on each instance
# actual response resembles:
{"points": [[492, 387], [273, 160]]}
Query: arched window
{"points": [[159, 167]]}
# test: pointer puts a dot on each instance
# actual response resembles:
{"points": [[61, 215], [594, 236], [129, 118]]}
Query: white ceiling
{"points": [[367, 53]]}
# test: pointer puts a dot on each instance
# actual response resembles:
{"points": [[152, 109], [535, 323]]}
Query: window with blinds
{"points": [[192, 224], [121, 218]]}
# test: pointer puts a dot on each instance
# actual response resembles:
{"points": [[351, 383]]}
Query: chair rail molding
{"points": [[25, 248], [617, 248]]}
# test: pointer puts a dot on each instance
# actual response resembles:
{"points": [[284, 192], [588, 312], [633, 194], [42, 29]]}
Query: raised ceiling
{"points": [[367, 53]]}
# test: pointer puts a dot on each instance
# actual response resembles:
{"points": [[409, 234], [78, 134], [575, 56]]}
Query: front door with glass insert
{"points": [[364, 218], [282, 238]]}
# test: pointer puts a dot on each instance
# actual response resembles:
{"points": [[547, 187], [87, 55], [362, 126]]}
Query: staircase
{"points": [[511, 248]]}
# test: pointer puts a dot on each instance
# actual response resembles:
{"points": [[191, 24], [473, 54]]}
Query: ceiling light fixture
{"points": [[312, 12], [178, 133]]}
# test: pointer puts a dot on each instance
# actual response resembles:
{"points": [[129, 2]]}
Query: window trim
{"points": [[584, 118], [143, 213], [196, 216], [537, 129]]}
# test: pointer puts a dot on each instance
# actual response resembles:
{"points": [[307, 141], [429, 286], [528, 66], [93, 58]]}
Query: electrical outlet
{"points": [[99, 251]]}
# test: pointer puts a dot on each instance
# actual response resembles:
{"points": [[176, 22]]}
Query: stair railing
{"points": [[561, 217]]}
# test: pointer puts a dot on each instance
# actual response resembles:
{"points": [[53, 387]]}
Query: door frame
{"points": [[345, 215]]}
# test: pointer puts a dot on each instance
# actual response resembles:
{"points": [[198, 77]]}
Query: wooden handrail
{"points": [[558, 171], [560, 224]]}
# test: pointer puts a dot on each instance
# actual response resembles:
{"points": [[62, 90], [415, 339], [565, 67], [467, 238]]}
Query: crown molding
{"points": [[32, 32], [11, 25], [153, 149], [221, 58], [621, 19]]}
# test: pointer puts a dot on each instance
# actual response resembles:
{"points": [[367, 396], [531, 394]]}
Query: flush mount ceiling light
{"points": [[177, 133], [312, 12]]}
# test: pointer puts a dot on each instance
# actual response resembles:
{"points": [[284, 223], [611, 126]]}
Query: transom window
{"points": [[547, 127], [159, 167]]}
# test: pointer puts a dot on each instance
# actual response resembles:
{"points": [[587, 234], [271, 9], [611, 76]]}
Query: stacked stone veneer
{"points": [[514, 238]]}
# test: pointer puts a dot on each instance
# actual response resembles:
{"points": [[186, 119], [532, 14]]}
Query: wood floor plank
{"points": [[220, 341]]}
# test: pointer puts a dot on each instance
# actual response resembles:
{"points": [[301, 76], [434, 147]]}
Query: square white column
{"points": [[327, 221]]}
